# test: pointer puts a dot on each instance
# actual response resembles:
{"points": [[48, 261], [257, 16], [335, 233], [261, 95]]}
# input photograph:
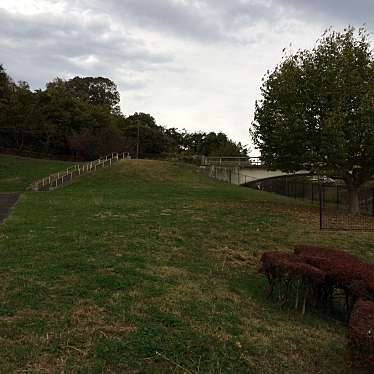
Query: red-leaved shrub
{"points": [[313, 274], [322, 252], [342, 269], [288, 266]]}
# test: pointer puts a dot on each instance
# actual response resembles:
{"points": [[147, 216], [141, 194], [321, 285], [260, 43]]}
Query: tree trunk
{"points": [[354, 202]]}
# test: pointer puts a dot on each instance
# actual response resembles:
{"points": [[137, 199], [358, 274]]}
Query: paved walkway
{"points": [[7, 201]]}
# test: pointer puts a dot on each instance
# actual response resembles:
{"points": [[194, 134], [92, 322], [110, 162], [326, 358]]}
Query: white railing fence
{"points": [[60, 178], [232, 161]]}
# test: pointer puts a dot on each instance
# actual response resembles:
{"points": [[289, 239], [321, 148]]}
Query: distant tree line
{"points": [[81, 118]]}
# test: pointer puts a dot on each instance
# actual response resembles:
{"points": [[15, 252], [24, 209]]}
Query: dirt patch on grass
{"points": [[170, 271], [85, 313], [87, 317], [291, 344], [235, 257], [21, 315]]}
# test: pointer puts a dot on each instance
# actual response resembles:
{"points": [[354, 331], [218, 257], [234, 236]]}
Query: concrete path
{"points": [[7, 201]]}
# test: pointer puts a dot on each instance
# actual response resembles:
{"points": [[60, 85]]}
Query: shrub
{"points": [[343, 270], [321, 272], [313, 274], [322, 252], [294, 278]]}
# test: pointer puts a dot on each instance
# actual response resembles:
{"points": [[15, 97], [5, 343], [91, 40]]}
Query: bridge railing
{"points": [[227, 174], [232, 161]]}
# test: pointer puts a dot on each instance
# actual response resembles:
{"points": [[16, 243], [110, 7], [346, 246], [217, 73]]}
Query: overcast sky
{"points": [[194, 64]]}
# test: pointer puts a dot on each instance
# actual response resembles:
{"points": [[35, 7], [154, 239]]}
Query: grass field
{"points": [[149, 267], [17, 173]]}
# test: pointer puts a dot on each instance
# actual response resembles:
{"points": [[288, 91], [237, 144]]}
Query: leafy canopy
{"points": [[317, 109]]}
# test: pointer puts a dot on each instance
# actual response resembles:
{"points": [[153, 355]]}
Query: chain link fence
{"points": [[331, 196], [335, 209]]}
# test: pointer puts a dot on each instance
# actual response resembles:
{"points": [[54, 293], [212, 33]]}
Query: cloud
{"points": [[342, 11], [74, 44], [194, 64], [199, 20]]}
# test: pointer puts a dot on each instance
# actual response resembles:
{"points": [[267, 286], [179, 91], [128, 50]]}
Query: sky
{"points": [[193, 64]]}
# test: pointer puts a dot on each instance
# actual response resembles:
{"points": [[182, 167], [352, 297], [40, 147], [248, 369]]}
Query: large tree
{"points": [[317, 109], [141, 129], [97, 91]]}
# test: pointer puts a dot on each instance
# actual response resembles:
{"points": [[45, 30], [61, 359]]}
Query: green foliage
{"points": [[317, 109], [50, 121], [158, 140], [207, 144], [152, 138], [81, 117], [97, 91], [213, 144], [5, 92]]}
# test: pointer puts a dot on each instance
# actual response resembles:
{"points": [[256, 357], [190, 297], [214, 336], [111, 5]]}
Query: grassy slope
{"points": [[17, 173], [152, 257]]}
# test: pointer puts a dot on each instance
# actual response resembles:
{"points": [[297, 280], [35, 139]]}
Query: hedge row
{"points": [[315, 276], [319, 273]]}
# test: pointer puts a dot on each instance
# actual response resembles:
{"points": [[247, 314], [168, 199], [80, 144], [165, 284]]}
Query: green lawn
{"points": [[17, 173], [149, 267]]}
